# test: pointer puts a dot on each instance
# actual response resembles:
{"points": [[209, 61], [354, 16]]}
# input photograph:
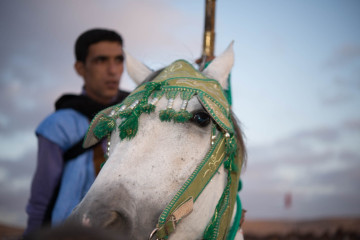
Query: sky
{"points": [[295, 86]]}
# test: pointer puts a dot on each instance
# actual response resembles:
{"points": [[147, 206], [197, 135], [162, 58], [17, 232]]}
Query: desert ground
{"points": [[329, 228]]}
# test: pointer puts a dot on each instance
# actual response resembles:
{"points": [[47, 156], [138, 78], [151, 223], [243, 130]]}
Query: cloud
{"points": [[324, 134], [345, 88], [148, 36], [336, 99], [344, 85], [318, 166], [25, 94], [15, 180], [16, 144], [352, 125], [343, 56]]}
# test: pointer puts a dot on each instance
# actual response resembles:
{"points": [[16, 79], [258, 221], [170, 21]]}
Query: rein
{"points": [[181, 78], [181, 205]]}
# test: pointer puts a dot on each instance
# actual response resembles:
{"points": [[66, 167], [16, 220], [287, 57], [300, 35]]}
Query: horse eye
{"points": [[201, 118]]}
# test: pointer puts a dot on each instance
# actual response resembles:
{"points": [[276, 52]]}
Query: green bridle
{"points": [[181, 78]]}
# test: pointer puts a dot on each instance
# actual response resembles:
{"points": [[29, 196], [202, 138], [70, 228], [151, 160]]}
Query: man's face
{"points": [[102, 70]]}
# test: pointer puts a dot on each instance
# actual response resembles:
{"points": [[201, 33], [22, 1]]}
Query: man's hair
{"points": [[93, 36]]}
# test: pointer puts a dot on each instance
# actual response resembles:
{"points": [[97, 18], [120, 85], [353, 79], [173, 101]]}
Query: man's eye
{"points": [[119, 59], [100, 59], [201, 118]]}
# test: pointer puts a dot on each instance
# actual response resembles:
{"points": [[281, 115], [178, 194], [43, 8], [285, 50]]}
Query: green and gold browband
{"points": [[178, 78]]}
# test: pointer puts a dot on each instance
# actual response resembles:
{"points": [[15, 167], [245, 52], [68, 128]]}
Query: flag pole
{"points": [[209, 34]]}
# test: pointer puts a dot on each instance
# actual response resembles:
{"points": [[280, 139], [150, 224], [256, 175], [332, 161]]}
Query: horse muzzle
{"points": [[102, 210]]}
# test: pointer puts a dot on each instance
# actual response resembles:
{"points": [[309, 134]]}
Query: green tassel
{"points": [[230, 145], [171, 94], [230, 148], [234, 167], [105, 126], [186, 95], [212, 230], [150, 87], [167, 115], [153, 86], [230, 163], [182, 116], [129, 127], [148, 108], [158, 94]]}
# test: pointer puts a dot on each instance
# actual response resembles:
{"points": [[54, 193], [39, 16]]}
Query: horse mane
{"points": [[239, 134], [241, 150]]}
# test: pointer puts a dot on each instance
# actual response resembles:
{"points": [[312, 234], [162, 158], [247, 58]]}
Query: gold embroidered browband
{"points": [[180, 78]]}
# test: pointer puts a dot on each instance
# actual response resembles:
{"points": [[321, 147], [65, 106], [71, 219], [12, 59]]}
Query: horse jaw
{"points": [[219, 69], [136, 69]]}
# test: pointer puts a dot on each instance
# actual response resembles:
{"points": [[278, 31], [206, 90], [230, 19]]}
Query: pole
{"points": [[209, 34]]}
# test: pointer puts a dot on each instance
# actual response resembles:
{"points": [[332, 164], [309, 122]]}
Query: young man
{"points": [[64, 170]]}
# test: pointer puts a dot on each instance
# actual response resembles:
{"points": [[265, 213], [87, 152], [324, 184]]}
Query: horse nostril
{"points": [[85, 221], [118, 221], [114, 216]]}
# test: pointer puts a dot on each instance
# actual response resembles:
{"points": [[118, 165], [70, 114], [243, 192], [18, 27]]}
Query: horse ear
{"points": [[136, 69], [219, 69]]}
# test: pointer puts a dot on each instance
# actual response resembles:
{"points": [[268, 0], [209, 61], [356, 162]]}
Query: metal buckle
{"points": [[152, 234]]}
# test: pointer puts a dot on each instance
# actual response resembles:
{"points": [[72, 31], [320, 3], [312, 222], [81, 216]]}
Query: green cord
{"points": [[235, 226]]}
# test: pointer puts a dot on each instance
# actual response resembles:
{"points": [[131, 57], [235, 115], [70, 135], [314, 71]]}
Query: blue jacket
{"points": [[65, 128]]}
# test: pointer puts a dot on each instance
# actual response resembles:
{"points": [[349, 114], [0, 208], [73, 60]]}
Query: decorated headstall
{"points": [[180, 78]]}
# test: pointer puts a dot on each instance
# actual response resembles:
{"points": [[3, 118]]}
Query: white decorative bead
{"points": [[170, 103], [227, 135], [154, 101], [184, 104], [108, 146], [133, 105]]}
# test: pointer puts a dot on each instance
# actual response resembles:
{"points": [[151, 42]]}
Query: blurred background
{"points": [[295, 86]]}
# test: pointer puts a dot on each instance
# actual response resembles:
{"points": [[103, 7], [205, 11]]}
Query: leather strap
{"points": [[192, 187]]}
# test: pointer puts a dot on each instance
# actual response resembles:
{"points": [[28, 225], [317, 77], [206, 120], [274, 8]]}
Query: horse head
{"points": [[174, 155]]}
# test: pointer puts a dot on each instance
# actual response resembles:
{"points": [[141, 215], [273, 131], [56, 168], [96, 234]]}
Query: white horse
{"points": [[176, 178]]}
